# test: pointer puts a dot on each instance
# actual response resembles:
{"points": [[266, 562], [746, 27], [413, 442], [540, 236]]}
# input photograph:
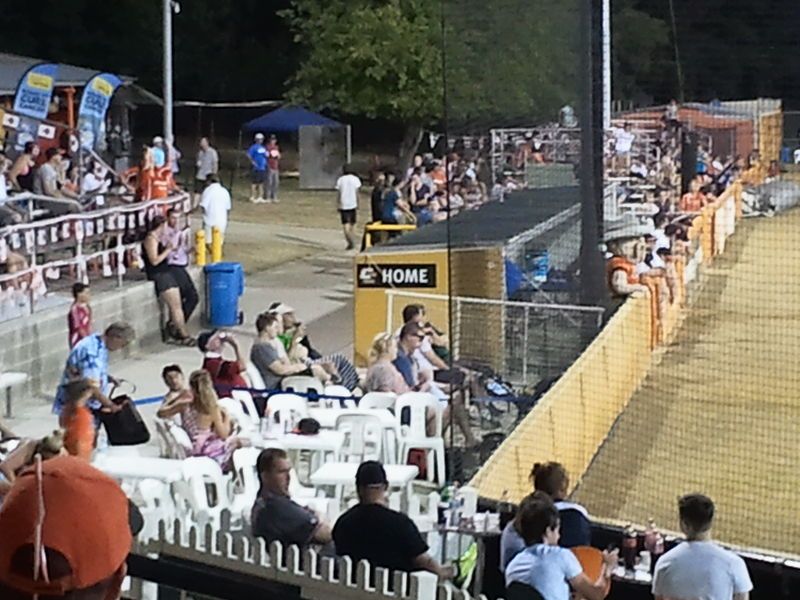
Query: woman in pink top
{"points": [[382, 376]]}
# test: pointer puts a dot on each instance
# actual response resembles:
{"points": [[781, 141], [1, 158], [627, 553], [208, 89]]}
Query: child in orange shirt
{"points": [[77, 420]]}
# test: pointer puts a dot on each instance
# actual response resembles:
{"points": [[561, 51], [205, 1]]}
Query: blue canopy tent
{"points": [[288, 119], [323, 143]]}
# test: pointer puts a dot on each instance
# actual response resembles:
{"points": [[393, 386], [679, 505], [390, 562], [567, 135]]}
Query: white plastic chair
{"points": [[363, 437], [290, 408], [204, 488], [244, 467], [173, 441], [236, 412], [378, 400], [248, 407], [302, 384], [469, 500], [182, 443], [414, 434], [341, 392], [157, 506], [254, 375], [424, 520]]}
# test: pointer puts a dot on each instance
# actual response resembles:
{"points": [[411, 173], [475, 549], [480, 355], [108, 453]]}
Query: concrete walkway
{"points": [[319, 287]]}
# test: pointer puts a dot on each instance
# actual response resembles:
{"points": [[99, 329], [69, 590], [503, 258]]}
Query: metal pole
{"points": [[167, 18], [606, 64], [593, 284]]}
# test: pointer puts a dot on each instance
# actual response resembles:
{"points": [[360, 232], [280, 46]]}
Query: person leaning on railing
{"points": [[155, 254]]}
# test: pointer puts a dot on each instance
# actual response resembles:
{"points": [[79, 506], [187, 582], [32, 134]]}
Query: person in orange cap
{"points": [[67, 530]]}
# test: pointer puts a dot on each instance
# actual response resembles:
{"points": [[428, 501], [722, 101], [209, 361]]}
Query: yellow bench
{"points": [[377, 226]]}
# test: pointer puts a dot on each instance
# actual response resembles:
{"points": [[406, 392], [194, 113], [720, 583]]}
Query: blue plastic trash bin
{"points": [[224, 286]]}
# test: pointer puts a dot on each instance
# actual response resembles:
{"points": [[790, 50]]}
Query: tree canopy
{"points": [[243, 50]]}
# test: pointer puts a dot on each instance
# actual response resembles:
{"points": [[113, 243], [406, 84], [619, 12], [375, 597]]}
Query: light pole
{"points": [[606, 64], [168, 7]]}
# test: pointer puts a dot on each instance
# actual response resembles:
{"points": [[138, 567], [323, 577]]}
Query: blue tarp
{"points": [[287, 119]]}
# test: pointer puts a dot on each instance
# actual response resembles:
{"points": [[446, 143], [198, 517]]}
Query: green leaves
{"points": [[377, 59]]}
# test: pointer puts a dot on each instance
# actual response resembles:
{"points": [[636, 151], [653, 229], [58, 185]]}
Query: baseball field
{"points": [[719, 412]]}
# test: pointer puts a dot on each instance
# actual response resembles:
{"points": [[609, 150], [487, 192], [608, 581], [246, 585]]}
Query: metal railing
{"points": [[522, 341], [82, 243]]}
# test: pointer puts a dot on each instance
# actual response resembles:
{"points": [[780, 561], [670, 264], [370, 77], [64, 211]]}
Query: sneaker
{"points": [[466, 564]]}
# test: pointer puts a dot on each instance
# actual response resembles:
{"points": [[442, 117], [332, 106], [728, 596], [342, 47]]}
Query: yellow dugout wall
{"points": [[476, 272]]}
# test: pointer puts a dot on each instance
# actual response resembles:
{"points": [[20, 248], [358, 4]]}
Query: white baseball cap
{"points": [[158, 140], [259, 136], [281, 309]]}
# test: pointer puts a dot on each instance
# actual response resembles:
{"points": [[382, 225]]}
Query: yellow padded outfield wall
{"points": [[573, 419]]}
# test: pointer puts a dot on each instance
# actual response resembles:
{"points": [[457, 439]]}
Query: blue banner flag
{"points": [[95, 101], [35, 90]]}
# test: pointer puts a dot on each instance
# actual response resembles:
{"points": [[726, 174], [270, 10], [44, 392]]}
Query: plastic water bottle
{"points": [[654, 544], [102, 441], [455, 506]]}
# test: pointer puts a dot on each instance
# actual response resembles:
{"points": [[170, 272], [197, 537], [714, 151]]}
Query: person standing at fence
{"points": [[79, 319], [159, 152], [155, 254], [348, 185], [207, 163], [699, 568], [273, 171], [257, 155], [176, 237]]}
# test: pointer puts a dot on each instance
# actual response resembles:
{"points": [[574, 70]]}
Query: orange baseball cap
{"points": [[87, 519]]}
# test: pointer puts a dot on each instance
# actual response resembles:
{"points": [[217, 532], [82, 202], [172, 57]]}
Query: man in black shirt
{"points": [[384, 537]]}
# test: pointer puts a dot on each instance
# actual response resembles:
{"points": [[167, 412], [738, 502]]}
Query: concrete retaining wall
{"points": [[37, 344]]}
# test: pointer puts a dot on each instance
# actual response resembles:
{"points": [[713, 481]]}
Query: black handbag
{"points": [[125, 427]]}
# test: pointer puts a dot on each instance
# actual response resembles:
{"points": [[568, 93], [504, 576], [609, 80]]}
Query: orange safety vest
{"points": [[162, 183], [617, 263]]}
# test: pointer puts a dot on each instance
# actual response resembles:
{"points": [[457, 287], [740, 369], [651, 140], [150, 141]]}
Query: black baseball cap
{"points": [[371, 472], [202, 339]]}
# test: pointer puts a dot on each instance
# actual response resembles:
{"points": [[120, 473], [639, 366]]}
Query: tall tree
{"points": [[509, 62], [376, 59]]}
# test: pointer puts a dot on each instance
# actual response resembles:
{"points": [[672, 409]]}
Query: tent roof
{"points": [[13, 67], [287, 119]]}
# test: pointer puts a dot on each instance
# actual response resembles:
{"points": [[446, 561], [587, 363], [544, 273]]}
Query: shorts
{"points": [[199, 185], [257, 177], [453, 377], [348, 216], [163, 282]]}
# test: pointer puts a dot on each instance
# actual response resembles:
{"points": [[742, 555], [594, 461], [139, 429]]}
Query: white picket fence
{"points": [[318, 577]]}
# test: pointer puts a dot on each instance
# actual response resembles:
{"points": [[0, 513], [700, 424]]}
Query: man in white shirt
{"points": [[215, 202], [348, 185], [95, 184], [623, 143], [699, 569]]}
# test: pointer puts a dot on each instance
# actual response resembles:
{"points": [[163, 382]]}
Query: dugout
{"points": [[484, 246]]}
